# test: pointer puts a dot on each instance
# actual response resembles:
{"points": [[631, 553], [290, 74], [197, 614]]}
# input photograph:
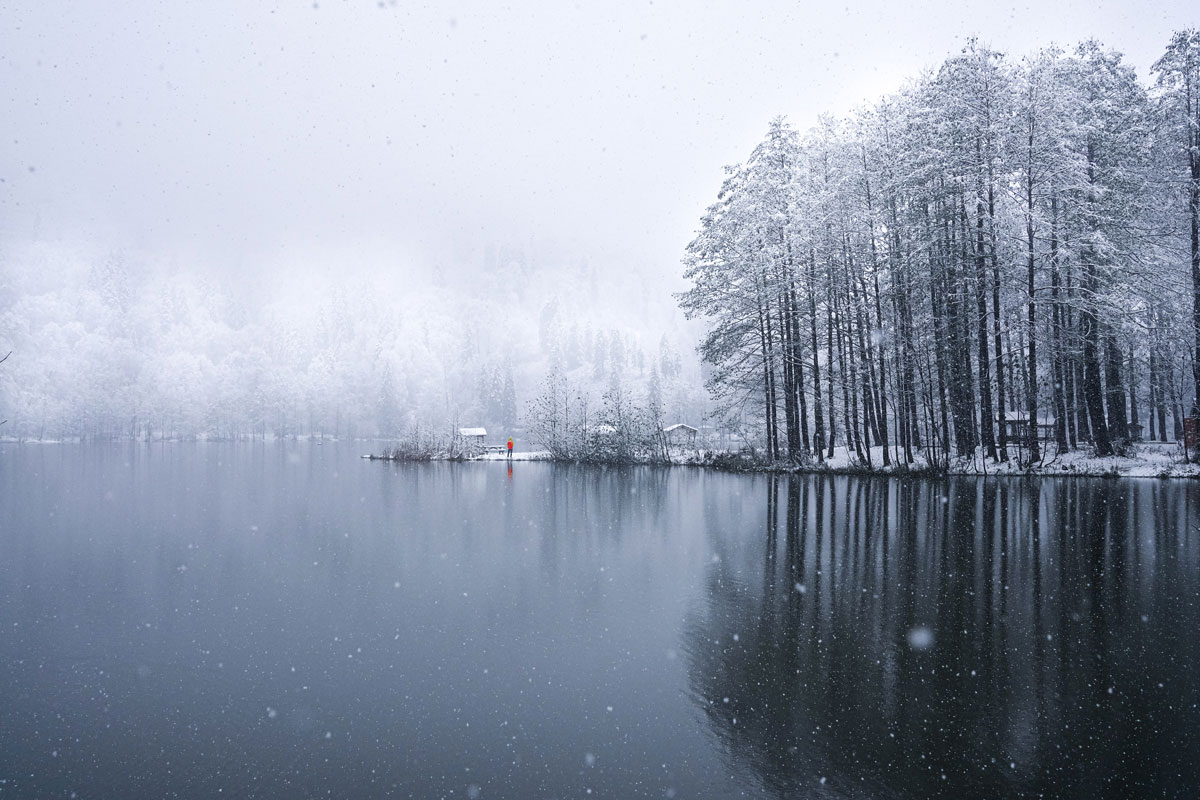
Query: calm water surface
{"points": [[287, 620]]}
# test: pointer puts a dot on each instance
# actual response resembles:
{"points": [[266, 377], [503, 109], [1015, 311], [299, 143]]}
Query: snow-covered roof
{"points": [[472, 431], [679, 426]]}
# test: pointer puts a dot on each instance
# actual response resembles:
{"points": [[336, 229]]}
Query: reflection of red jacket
{"points": [[510, 444]]}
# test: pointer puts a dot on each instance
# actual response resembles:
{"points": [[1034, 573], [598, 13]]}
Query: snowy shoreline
{"points": [[1149, 461]]}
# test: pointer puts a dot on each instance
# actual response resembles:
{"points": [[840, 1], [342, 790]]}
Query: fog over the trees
{"points": [[356, 217]]}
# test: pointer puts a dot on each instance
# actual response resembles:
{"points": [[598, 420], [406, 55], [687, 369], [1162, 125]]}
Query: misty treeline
{"points": [[1001, 240], [109, 345]]}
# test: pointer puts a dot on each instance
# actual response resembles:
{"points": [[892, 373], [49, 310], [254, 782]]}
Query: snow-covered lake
{"points": [[289, 620]]}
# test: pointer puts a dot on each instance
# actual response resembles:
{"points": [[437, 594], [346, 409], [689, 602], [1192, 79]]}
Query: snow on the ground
{"points": [[518, 455], [1147, 460]]}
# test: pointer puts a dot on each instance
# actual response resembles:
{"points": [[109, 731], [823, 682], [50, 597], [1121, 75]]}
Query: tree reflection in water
{"points": [[958, 638]]}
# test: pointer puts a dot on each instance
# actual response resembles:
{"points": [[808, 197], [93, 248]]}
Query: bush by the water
{"points": [[418, 445]]}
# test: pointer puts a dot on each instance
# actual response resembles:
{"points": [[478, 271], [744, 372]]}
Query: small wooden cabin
{"points": [[680, 435], [472, 436]]}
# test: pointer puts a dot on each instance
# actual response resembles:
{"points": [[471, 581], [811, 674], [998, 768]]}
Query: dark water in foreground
{"points": [[290, 621]]}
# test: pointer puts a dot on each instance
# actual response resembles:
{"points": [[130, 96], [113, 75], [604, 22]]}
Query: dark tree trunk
{"points": [[789, 386], [881, 407], [986, 410], [870, 422], [829, 383], [1193, 151], [1031, 392], [1002, 433], [1164, 397], [1061, 413], [818, 413], [1118, 422], [764, 322], [1083, 423], [1092, 389], [798, 362], [1153, 392], [1176, 402], [1132, 383], [937, 300], [962, 395]]}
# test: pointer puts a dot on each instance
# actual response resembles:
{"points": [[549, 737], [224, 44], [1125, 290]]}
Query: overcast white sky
{"points": [[227, 129]]}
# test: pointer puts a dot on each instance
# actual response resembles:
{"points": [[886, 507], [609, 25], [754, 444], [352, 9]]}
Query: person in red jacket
{"points": [[510, 444]]}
